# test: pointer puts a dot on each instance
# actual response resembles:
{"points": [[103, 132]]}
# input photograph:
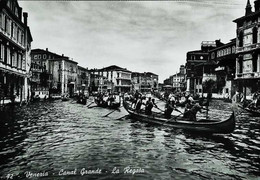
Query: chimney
{"points": [[62, 55], [25, 16], [47, 49]]}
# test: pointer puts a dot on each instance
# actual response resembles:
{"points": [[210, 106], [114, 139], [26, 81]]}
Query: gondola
{"points": [[254, 112], [202, 126], [104, 104]]}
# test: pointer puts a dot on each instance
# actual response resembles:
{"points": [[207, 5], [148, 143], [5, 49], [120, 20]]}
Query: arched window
{"points": [[254, 35], [213, 55]]}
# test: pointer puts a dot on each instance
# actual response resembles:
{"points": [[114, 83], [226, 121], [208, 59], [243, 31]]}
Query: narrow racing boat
{"points": [[202, 125]]}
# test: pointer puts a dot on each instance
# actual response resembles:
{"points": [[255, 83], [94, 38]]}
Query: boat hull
{"points": [[201, 126]]}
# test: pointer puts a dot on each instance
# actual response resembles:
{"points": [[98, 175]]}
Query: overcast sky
{"points": [[141, 36]]}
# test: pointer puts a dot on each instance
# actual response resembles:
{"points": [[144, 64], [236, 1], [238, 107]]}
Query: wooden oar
{"points": [[90, 104], [110, 113], [178, 110], [92, 107], [122, 117], [159, 109]]}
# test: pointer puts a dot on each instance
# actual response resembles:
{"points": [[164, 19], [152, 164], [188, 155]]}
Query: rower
{"points": [[149, 105], [169, 107], [192, 112], [139, 104]]}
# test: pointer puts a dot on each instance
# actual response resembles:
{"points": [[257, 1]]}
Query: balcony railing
{"points": [[124, 78], [248, 75], [248, 48]]}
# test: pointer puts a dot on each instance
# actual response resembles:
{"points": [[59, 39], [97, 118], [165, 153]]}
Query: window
{"points": [[44, 56], [1, 52], [14, 63], [229, 50], [213, 55], [1, 21], [23, 63], [18, 34], [227, 90], [22, 38], [12, 29], [6, 23], [233, 49], [8, 56], [254, 35], [39, 56], [240, 39]]}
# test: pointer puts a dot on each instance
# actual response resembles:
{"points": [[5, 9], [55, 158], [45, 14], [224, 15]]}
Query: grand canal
{"points": [[65, 140]]}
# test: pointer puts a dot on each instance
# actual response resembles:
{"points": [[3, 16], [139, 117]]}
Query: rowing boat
{"points": [[202, 126], [113, 105], [254, 112]]}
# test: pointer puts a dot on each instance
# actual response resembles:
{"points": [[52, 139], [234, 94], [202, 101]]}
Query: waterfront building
{"points": [[144, 82], [178, 79], [15, 47], [248, 50], [83, 79], [64, 75], [195, 69], [59, 72], [223, 60], [41, 76], [117, 79], [40, 80]]}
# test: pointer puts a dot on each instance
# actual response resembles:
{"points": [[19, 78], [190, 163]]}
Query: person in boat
{"points": [[135, 98], [149, 106], [192, 112], [238, 97], [139, 104], [190, 103], [255, 104], [110, 100], [169, 107]]}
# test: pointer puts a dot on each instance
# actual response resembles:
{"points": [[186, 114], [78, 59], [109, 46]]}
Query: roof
{"points": [[114, 68], [246, 17], [197, 52], [150, 73], [63, 58], [233, 42]]}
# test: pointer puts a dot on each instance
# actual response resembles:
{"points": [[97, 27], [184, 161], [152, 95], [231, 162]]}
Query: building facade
{"points": [[248, 50], [195, 61], [58, 74], [224, 58], [144, 82], [64, 75], [15, 47], [116, 79], [178, 79], [83, 79]]}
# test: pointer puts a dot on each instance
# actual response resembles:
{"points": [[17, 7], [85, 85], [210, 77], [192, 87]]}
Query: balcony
{"points": [[248, 48], [124, 78], [250, 75]]}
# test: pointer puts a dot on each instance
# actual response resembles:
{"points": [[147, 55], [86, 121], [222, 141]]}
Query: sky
{"points": [[142, 36]]}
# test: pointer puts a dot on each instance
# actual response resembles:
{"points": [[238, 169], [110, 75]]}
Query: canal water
{"points": [[66, 140]]}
